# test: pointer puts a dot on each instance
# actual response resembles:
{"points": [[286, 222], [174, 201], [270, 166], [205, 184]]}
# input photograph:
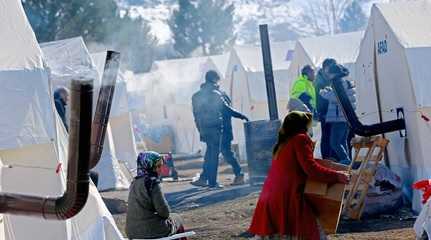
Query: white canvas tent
{"points": [[33, 143], [221, 61], [245, 83], [69, 59], [120, 118], [395, 53], [169, 96], [313, 51]]}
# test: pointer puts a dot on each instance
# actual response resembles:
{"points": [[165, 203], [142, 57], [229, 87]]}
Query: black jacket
{"points": [[227, 119], [209, 111]]}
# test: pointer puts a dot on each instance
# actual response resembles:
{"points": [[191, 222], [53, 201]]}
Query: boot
{"points": [[200, 183], [239, 180]]}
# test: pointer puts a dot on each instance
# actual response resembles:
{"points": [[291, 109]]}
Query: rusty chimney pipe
{"points": [[75, 197], [103, 107]]}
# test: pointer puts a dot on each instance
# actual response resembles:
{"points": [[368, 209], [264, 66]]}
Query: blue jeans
{"points": [[210, 167], [325, 141], [229, 156], [338, 142]]}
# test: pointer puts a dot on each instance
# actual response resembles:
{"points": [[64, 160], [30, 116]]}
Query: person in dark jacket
{"points": [[148, 213], [335, 116], [61, 99], [321, 82], [209, 107]]}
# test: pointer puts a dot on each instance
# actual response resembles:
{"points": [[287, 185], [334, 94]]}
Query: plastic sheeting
{"points": [[67, 60], [403, 79]]}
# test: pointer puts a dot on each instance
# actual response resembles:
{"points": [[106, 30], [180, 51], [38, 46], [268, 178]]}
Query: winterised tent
{"points": [[69, 59], [221, 61], [313, 51], [169, 97], [33, 143], [245, 83], [392, 72], [120, 118]]}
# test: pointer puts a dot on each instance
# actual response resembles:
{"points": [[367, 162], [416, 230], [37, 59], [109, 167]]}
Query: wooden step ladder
{"points": [[368, 152]]}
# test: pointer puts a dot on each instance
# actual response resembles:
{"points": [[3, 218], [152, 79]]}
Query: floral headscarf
{"points": [[146, 164]]}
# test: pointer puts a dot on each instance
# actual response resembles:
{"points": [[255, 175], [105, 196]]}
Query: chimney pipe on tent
{"points": [[103, 107], [269, 75], [86, 139], [75, 197], [261, 135], [357, 127]]}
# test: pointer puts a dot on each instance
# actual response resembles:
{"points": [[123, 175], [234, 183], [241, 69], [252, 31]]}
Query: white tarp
{"points": [[67, 59], [37, 167], [221, 62], [314, 50], [394, 53], [20, 65]]}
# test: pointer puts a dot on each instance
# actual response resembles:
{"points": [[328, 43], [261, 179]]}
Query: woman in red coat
{"points": [[282, 209]]}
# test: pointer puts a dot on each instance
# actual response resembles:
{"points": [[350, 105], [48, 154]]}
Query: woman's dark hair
{"points": [[294, 123]]}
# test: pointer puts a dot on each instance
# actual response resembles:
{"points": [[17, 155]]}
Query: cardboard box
{"points": [[326, 200]]}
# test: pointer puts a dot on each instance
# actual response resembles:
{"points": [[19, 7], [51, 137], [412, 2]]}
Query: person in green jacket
{"points": [[302, 93]]}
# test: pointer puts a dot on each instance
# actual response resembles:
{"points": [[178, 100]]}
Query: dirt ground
{"points": [[226, 214]]}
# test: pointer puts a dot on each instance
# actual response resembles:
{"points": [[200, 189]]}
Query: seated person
{"points": [[148, 214]]}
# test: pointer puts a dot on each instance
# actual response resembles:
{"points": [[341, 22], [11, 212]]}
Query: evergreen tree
{"points": [[42, 15], [184, 27], [205, 25], [97, 21], [354, 18]]}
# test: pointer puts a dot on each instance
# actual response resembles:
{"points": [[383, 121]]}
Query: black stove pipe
{"points": [[350, 114]]}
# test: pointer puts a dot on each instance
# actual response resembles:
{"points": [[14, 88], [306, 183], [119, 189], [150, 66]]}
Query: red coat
{"points": [[282, 208]]}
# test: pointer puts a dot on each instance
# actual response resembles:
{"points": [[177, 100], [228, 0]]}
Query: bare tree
{"points": [[323, 16]]}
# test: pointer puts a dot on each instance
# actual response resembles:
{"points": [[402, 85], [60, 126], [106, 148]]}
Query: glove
{"points": [[245, 118]]}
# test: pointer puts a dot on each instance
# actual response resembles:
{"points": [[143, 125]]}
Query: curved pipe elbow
{"points": [[350, 114]]}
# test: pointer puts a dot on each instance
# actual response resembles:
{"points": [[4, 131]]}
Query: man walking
{"points": [[209, 109]]}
